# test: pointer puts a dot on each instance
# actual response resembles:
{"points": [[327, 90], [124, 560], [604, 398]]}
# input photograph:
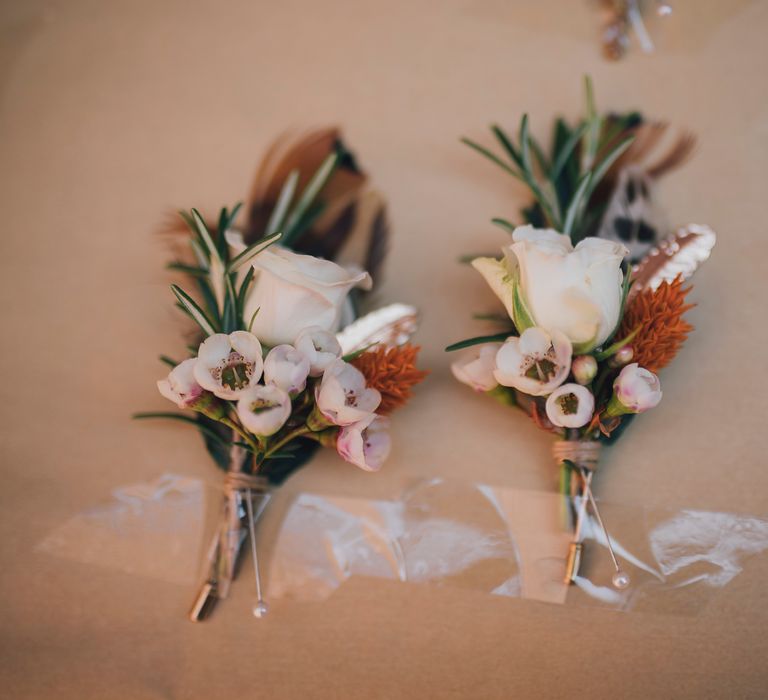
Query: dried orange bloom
{"points": [[659, 313], [393, 372]]}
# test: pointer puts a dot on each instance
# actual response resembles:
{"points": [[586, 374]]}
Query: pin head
{"points": [[260, 609], [621, 580]]}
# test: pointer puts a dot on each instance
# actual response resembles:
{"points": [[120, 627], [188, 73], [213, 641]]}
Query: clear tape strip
{"points": [[501, 541]]}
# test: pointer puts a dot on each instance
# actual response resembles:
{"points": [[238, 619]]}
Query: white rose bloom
{"points": [[228, 365], [287, 368], [637, 389], [264, 409], [476, 368], [320, 347], [342, 396], [576, 291], [570, 406], [536, 363], [180, 386], [365, 444], [293, 291]]}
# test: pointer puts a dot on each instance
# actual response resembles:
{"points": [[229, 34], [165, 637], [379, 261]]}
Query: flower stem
{"points": [[301, 431], [242, 433]]}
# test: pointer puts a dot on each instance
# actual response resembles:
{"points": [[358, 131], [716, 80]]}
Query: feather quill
{"points": [[680, 254]]}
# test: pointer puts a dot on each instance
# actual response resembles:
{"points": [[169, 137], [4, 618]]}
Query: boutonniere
{"points": [[593, 288], [282, 360]]}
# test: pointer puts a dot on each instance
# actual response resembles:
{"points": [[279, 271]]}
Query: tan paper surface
{"points": [[114, 113]]}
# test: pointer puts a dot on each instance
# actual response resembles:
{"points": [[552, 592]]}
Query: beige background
{"points": [[111, 113]]}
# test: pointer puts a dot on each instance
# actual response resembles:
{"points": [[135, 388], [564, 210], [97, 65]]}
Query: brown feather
{"points": [[305, 154], [677, 154], [679, 255]]}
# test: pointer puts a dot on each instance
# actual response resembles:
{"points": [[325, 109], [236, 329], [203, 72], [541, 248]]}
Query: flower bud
{"points": [[320, 347], [622, 357], [180, 386], [634, 391], [584, 368], [365, 444], [287, 368], [476, 367]]}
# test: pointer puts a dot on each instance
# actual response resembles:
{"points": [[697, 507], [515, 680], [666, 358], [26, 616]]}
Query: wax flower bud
{"points": [[286, 367], [477, 366], [622, 357], [584, 368], [634, 391]]}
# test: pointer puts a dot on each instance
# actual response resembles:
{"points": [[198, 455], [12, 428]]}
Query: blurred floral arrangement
{"points": [[593, 289], [622, 18], [271, 374]]}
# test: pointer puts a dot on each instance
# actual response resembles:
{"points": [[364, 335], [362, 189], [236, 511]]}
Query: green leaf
{"points": [[504, 395], [217, 439], [187, 269], [626, 284], [200, 256], [169, 415], [230, 306], [194, 311], [205, 236], [168, 361], [574, 208], [252, 251], [492, 157], [478, 340], [521, 315], [469, 257], [495, 318], [243, 293], [503, 223], [525, 145], [356, 353], [541, 159], [188, 220], [253, 318], [303, 224], [277, 219], [507, 144], [584, 347], [602, 168], [313, 189], [565, 152], [226, 219], [594, 126], [211, 307]]}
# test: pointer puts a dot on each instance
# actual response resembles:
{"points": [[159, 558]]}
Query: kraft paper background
{"points": [[114, 113]]}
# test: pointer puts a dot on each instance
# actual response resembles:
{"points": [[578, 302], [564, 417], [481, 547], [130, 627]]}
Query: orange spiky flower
{"points": [[393, 372], [659, 314]]}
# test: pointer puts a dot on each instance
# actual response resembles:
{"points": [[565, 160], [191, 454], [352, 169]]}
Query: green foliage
{"points": [[479, 340], [563, 183], [222, 291]]}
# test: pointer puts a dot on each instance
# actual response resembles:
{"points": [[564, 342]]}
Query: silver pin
{"points": [[620, 578], [261, 608]]}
